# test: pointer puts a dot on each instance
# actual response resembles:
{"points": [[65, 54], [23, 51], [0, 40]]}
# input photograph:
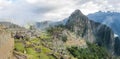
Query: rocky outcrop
{"points": [[91, 31], [117, 46], [6, 44], [19, 55]]}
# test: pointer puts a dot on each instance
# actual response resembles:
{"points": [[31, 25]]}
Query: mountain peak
{"points": [[77, 12]]}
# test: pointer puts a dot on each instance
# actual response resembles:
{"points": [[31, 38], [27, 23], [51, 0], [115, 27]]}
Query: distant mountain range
{"points": [[93, 34], [111, 19], [11, 25], [92, 28], [45, 24]]}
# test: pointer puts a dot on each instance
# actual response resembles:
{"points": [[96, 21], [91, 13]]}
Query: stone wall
{"points": [[6, 45]]}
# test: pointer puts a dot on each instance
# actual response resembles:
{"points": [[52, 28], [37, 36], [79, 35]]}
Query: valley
{"points": [[77, 38]]}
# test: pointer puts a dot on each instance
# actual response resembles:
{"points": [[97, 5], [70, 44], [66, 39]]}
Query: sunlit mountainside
{"points": [[76, 37], [59, 29]]}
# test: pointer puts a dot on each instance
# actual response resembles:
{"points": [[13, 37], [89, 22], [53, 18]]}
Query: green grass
{"points": [[35, 40], [19, 47], [31, 52], [43, 56], [45, 50], [45, 36], [52, 57]]}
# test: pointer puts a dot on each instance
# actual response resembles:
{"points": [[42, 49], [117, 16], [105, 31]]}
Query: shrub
{"points": [[92, 52]]}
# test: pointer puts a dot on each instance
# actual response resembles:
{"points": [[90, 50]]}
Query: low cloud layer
{"points": [[26, 11]]}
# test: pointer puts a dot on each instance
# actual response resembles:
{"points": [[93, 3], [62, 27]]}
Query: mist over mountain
{"points": [[46, 24], [111, 19], [59, 29], [74, 37]]}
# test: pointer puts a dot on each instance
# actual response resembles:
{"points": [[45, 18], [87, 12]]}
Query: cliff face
{"points": [[6, 44], [91, 31], [117, 46], [111, 19]]}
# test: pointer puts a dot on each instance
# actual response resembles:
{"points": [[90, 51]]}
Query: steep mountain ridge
{"points": [[10, 25], [92, 31], [77, 37], [111, 19]]}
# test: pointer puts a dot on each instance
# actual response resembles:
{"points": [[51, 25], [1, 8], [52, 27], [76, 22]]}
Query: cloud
{"points": [[23, 11]]}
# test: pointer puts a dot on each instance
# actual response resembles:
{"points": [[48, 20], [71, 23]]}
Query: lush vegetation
{"points": [[34, 48], [92, 52], [19, 47], [42, 47], [117, 46]]}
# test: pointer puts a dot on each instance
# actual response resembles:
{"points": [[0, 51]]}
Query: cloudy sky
{"points": [[26, 11]]}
